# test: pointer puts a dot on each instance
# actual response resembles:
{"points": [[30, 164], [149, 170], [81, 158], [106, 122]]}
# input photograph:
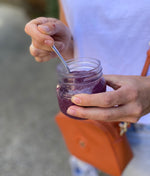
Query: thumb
{"points": [[46, 29], [113, 81], [52, 27]]}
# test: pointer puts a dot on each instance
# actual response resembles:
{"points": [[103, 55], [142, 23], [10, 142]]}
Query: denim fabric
{"points": [[139, 138]]}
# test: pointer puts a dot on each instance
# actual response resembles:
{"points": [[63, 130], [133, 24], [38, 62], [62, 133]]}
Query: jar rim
{"points": [[81, 60]]}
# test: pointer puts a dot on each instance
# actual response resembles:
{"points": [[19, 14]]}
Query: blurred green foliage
{"points": [[52, 9], [36, 8]]}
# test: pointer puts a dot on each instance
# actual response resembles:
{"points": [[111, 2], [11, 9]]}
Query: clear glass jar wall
{"points": [[85, 77]]}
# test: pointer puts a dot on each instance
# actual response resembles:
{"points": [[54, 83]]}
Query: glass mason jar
{"points": [[85, 77]]}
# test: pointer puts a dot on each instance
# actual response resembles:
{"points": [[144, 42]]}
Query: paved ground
{"points": [[30, 142]]}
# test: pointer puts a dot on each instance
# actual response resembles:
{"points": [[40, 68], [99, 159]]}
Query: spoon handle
{"points": [[61, 58]]}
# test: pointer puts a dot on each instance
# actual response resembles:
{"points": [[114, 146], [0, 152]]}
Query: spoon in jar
{"points": [[61, 58]]}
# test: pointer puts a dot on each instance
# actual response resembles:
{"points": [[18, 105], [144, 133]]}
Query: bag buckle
{"points": [[123, 127]]}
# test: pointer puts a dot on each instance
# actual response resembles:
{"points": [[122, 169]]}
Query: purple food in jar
{"points": [[84, 80]]}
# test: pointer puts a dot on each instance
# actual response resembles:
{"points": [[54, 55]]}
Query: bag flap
{"points": [[81, 138]]}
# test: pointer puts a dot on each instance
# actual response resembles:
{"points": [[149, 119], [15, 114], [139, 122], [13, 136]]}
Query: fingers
{"points": [[42, 27], [94, 113], [106, 99], [113, 81], [43, 59], [39, 20], [125, 93], [39, 40], [45, 32], [47, 46], [52, 27], [121, 113], [42, 55], [48, 27], [31, 29]]}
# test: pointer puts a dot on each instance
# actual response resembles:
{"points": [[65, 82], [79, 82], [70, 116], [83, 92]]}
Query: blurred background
{"points": [[30, 141]]}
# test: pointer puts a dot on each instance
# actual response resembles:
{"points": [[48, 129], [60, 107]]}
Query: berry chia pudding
{"points": [[85, 77]]}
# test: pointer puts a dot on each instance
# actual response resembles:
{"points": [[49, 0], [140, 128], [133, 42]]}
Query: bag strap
{"points": [[146, 65]]}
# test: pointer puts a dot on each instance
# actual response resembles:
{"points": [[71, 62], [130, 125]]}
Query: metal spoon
{"points": [[61, 58]]}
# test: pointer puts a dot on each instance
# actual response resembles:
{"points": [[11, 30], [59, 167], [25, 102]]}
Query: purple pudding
{"points": [[90, 82]]}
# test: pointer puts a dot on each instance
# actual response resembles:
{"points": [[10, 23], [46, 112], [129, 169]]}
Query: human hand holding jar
{"points": [[129, 101], [85, 77]]}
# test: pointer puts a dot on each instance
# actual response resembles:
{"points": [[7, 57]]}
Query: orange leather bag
{"points": [[98, 143]]}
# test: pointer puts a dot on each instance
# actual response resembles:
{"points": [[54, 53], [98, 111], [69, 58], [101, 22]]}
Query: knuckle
{"points": [[107, 116], [37, 45], [134, 120], [46, 58], [40, 20], [33, 51], [38, 59], [26, 28], [107, 101], [133, 93], [138, 110], [40, 40]]}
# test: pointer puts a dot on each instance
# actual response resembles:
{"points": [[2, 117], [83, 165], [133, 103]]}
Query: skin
{"points": [[128, 102], [130, 99], [45, 32]]}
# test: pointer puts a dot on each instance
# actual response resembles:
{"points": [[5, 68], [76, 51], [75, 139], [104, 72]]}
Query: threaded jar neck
{"points": [[90, 67]]}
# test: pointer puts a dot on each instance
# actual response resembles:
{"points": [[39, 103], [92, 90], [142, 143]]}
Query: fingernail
{"points": [[48, 42], [71, 111], [44, 28], [76, 100]]}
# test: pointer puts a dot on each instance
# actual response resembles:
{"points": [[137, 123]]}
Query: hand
{"points": [[128, 102], [44, 33]]}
